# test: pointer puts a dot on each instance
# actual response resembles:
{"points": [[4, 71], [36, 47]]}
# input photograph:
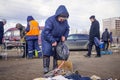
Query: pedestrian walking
{"points": [[117, 40], [94, 32], [56, 30], [105, 39], [111, 39]]}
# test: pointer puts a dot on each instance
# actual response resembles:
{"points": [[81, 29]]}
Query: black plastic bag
{"points": [[62, 51]]}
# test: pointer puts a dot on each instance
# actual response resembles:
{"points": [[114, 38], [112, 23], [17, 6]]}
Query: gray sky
{"points": [[80, 10]]}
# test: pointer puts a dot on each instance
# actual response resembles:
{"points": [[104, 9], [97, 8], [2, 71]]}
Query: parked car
{"points": [[12, 35], [77, 41]]}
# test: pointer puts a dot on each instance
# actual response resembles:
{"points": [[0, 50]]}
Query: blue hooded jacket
{"points": [[29, 18], [62, 11], [54, 30]]}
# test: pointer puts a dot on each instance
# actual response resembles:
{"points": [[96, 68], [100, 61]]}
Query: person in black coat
{"points": [[94, 32], [105, 39], [2, 23]]}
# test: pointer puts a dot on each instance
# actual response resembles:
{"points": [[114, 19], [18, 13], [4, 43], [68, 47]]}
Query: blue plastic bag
{"points": [[96, 41], [105, 52], [101, 45]]}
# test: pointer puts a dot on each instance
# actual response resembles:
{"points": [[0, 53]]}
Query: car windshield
{"points": [[72, 37], [7, 33], [16, 33], [82, 37]]}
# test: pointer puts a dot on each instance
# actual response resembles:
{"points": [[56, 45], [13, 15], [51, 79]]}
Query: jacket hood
{"points": [[62, 11], [29, 18]]}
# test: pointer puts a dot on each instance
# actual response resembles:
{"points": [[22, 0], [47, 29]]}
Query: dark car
{"points": [[78, 41]]}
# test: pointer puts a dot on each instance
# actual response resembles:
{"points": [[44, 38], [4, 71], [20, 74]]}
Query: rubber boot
{"points": [[30, 55], [40, 54], [46, 62], [0, 48], [55, 63], [0, 52]]}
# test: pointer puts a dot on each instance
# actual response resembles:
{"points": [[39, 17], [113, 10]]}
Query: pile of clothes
{"points": [[69, 76], [64, 76]]}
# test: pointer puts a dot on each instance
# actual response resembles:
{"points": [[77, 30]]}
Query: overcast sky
{"points": [[16, 11]]}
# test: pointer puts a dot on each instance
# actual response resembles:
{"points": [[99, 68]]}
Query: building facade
{"points": [[113, 25]]}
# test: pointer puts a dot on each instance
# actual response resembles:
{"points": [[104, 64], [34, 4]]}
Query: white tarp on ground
{"points": [[59, 77]]}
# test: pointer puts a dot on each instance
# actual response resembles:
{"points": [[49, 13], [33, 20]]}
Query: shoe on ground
{"points": [[41, 57], [87, 56], [46, 70]]}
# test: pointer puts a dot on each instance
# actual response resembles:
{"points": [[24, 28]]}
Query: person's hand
{"points": [[54, 44], [63, 38]]}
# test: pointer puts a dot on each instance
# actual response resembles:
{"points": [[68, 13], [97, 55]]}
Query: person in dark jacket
{"points": [[105, 39], [56, 30], [32, 33], [111, 38], [21, 28], [117, 40], [94, 32], [2, 23]]}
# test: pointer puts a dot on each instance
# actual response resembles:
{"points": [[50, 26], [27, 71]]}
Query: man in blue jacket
{"points": [[94, 32], [32, 33], [56, 30]]}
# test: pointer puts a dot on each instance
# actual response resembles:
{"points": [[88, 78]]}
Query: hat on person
{"points": [[92, 17], [2, 20], [106, 29]]}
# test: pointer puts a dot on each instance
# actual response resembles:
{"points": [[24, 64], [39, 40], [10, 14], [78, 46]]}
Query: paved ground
{"points": [[16, 68]]}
